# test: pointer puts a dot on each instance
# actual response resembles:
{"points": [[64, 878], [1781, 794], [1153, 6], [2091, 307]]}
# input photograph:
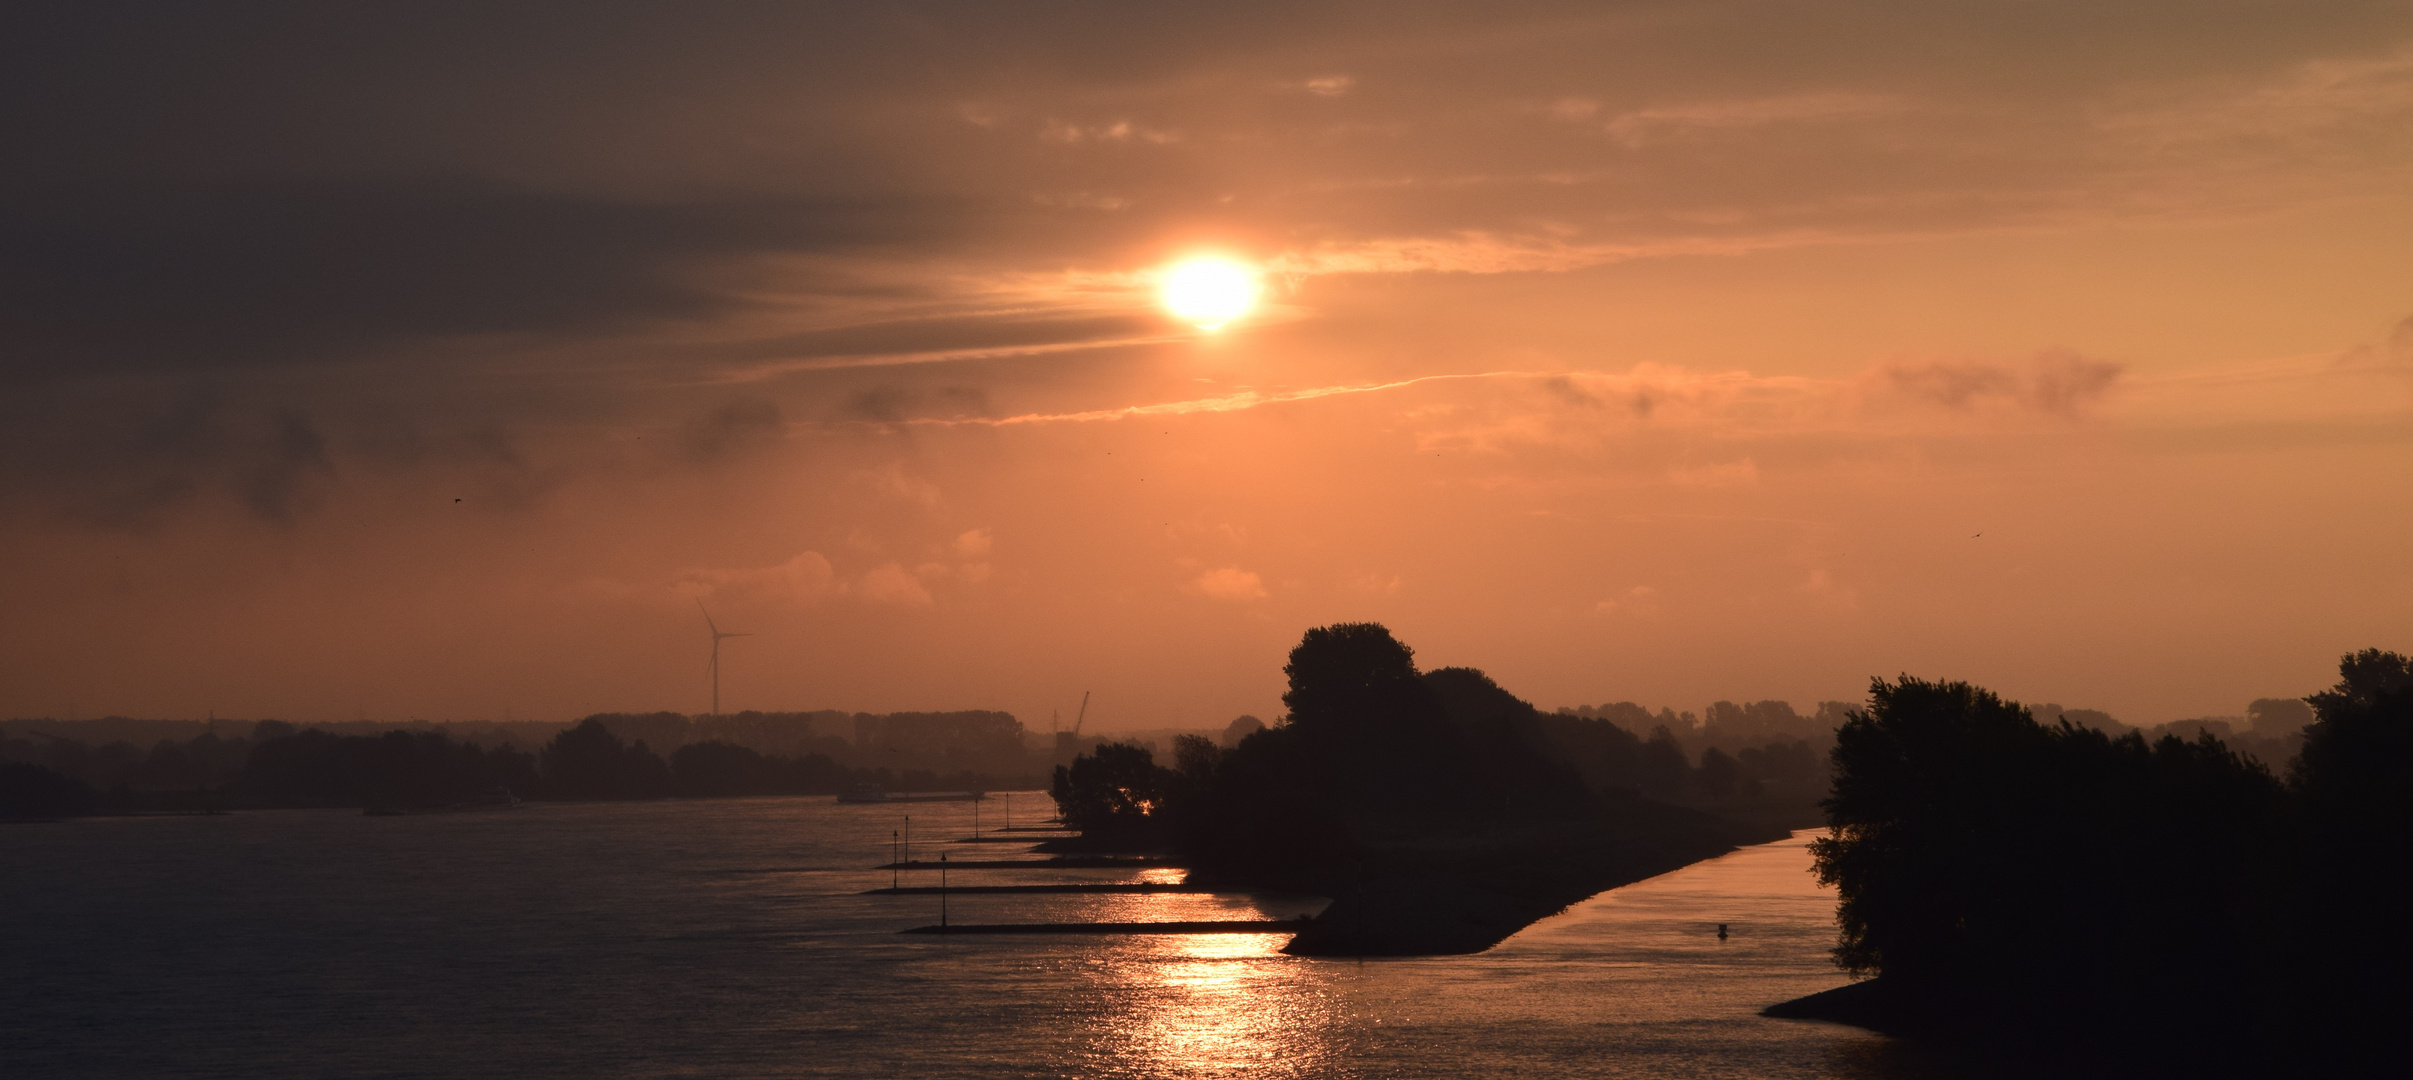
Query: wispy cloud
{"points": [[1636, 126], [1245, 399], [1227, 583], [891, 583], [2052, 381], [1474, 251], [2305, 104], [807, 578]]}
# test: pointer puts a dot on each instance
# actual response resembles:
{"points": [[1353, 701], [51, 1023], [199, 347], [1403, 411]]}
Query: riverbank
{"points": [[1463, 892], [1870, 1004], [1989, 1042]]}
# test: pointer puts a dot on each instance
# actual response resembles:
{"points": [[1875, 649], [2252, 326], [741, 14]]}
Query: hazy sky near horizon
{"points": [[435, 360]]}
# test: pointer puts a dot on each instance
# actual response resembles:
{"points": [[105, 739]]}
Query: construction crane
{"points": [[1068, 743]]}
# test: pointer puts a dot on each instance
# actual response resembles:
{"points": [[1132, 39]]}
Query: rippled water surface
{"points": [[727, 938]]}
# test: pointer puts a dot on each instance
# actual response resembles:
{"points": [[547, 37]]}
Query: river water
{"points": [[727, 938]]}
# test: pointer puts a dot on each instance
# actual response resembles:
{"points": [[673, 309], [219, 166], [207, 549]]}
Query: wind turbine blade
{"points": [[699, 606]]}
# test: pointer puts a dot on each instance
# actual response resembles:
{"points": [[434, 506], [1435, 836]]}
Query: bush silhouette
{"points": [[1112, 789]]}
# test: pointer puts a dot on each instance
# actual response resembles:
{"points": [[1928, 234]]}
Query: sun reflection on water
{"points": [[1212, 1004]]}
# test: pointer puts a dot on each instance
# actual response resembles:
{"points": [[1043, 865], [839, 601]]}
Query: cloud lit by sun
{"points": [[1209, 291]]}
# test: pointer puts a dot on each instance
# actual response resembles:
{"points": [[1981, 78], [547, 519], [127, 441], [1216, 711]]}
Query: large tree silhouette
{"points": [[2349, 858], [1351, 673], [2014, 875]]}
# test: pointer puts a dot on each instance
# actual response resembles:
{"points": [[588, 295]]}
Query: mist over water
{"points": [[726, 938]]}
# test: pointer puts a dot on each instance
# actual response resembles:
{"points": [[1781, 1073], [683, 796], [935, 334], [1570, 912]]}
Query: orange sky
{"points": [[435, 362]]}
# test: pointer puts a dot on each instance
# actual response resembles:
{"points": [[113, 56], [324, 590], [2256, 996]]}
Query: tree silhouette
{"points": [[400, 769], [2349, 857], [1350, 673], [589, 762], [2278, 717], [1111, 789], [1239, 729], [1371, 750], [28, 790], [2014, 875], [2357, 755]]}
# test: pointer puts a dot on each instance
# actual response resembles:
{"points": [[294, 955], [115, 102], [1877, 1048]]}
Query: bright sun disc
{"points": [[1209, 292]]}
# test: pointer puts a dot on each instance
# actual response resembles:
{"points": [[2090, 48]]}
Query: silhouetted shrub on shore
{"points": [[2059, 887]]}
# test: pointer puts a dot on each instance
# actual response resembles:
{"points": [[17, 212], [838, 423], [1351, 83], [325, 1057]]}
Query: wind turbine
{"points": [[717, 635]]}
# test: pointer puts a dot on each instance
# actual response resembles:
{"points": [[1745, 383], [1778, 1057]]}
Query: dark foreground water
{"points": [[726, 939]]}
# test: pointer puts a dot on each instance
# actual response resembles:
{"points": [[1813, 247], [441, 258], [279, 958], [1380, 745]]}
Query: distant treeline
{"points": [[185, 764], [2056, 886], [1725, 726], [1760, 762], [281, 766]]}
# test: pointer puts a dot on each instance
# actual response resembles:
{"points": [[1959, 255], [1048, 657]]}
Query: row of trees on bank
{"points": [[1373, 747], [283, 767], [143, 762], [1780, 779], [2054, 884], [1372, 751]]}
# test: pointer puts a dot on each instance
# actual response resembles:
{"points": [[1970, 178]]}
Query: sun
{"points": [[1208, 291]]}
